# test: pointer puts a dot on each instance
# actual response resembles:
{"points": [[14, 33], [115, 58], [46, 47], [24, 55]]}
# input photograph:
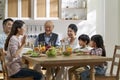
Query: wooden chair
{"points": [[4, 68], [115, 62]]}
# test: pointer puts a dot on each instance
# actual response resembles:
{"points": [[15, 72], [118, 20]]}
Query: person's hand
{"points": [[23, 41]]}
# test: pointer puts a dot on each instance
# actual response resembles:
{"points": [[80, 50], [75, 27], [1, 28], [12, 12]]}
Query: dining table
{"points": [[72, 60]]}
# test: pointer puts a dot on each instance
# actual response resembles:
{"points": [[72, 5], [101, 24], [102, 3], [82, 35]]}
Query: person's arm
{"points": [[15, 48]]}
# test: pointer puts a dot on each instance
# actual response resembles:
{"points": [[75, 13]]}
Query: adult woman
{"points": [[14, 45], [72, 39]]}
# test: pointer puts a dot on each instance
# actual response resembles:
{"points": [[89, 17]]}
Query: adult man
{"points": [[48, 37], [7, 24]]}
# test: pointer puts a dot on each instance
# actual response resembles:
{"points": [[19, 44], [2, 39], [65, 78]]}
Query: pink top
{"points": [[13, 62]]}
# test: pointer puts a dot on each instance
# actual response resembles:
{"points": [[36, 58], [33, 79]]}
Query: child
{"points": [[98, 49], [83, 42]]}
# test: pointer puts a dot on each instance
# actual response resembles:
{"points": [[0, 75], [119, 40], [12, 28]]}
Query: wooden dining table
{"points": [[72, 60]]}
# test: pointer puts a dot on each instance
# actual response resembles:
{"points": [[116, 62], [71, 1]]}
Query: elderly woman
{"points": [[72, 39]]}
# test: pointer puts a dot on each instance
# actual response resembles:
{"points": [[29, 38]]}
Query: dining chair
{"points": [[113, 75], [4, 68]]}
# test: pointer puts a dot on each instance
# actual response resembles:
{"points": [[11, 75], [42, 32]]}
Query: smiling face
{"points": [[48, 27], [22, 30], [92, 44], [7, 27], [71, 33]]}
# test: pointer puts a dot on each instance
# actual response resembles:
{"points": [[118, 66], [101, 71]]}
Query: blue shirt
{"points": [[3, 37], [47, 38]]}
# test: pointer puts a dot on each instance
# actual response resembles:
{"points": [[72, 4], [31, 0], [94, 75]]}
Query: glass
{"points": [[42, 47], [42, 43]]}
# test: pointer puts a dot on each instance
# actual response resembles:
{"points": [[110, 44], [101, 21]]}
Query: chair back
{"points": [[116, 61], [3, 63], [4, 68]]}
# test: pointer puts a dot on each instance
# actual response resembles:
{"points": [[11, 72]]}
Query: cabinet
{"points": [[46, 9], [2, 8], [21, 9], [32, 9], [73, 9]]}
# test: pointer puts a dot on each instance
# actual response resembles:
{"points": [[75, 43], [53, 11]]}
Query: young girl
{"points": [[14, 45], [98, 49], [83, 42]]}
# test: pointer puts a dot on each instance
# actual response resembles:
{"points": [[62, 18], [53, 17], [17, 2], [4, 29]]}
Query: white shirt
{"points": [[75, 44]]}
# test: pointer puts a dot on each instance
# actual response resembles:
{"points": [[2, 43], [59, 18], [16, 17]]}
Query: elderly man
{"points": [[7, 24], [48, 37]]}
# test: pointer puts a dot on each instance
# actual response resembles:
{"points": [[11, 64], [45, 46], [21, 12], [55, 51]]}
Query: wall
{"points": [[100, 19], [119, 20], [111, 25], [0, 26]]}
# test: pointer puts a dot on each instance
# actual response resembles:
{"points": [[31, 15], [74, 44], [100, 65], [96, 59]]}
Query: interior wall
{"points": [[119, 21], [0, 26], [100, 19], [111, 25]]}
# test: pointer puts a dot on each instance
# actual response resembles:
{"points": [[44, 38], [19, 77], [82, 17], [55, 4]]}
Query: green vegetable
{"points": [[29, 51], [66, 53], [34, 54], [51, 52]]}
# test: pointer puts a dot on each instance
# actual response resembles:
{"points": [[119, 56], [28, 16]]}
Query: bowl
{"points": [[65, 53], [51, 52]]}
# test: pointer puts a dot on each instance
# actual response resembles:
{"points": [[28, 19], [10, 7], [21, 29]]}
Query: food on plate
{"points": [[68, 49], [29, 52], [42, 48], [34, 54], [36, 49], [51, 52], [66, 53]]}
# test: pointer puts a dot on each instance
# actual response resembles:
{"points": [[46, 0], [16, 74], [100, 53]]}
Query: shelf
{"points": [[73, 10]]}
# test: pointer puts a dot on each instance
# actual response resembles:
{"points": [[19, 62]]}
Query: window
{"points": [[12, 8]]}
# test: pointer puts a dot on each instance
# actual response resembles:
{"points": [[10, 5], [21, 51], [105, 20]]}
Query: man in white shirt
{"points": [[7, 25]]}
